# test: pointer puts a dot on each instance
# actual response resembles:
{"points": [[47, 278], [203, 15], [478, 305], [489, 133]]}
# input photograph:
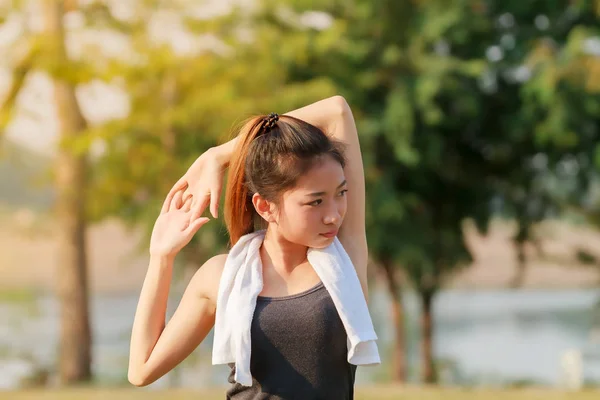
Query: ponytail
{"points": [[238, 208]]}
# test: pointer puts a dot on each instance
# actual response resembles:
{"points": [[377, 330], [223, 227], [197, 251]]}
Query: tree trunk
{"points": [[75, 335], [519, 277], [519, 241], [399, 351], [428, 367]]}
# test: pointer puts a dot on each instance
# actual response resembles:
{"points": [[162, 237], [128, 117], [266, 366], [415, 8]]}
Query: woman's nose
{"points": [[333, 217]]}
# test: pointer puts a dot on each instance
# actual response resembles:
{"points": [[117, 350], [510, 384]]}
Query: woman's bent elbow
{"points": [[136, 378], [341, 104]]}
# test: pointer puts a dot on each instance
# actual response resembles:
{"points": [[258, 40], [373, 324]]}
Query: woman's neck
{"points": [[282, 255]]}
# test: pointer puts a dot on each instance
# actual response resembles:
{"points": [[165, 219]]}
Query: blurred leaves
{"points": [[465, 109]]}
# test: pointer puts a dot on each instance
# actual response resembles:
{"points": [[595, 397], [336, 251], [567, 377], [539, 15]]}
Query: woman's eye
{"points": [[317, 202]]}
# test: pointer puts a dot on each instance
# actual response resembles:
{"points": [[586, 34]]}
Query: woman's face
{"points": [[317, 205]]}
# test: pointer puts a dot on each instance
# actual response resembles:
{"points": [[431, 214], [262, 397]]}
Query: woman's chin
{"points": [[324, 242]]}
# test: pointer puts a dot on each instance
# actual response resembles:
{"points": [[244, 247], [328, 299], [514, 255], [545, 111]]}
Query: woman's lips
{"points": [[330, 234]]}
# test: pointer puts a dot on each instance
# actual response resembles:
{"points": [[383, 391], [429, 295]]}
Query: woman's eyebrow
{"points": [[322, 193]]}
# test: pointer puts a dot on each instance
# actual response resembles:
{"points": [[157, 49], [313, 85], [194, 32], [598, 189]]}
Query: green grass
{"points": [[17, 295], [380, 392]]}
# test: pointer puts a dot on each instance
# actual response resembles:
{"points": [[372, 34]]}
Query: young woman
{"points": [[300, 177]]}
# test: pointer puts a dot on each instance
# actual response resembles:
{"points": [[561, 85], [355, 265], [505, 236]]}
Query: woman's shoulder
{"points": [[205, 282]]}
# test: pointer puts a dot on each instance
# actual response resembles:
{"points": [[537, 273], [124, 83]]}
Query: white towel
{"points": [[241, 283]]}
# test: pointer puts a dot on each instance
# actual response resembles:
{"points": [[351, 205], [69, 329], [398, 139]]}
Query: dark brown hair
{"points": [[270, 162]]}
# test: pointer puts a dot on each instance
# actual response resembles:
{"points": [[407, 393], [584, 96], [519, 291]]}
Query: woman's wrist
{"points": [[224, 152], [162, 258]]}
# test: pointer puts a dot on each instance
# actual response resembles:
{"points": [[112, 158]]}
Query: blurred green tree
{"points": [[463, 106], [70, 181], [418, 105], [46, 51], [544, 101], [183, 103], [451, 118]]}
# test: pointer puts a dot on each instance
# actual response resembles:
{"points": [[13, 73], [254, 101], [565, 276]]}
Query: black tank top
{"points": [[299, 350]]}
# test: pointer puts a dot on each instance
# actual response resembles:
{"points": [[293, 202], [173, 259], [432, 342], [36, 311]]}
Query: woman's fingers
{"points": [[187, 197], [195, 225], [214, 198], [176, 202], [202, 200], [187, 203], [187, 193], [181, 184]]}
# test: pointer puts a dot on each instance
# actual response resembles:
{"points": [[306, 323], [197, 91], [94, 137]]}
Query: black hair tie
{"points": [[270, 121]]}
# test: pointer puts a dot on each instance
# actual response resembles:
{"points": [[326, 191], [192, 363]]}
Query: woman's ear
{"points": [[264, 208]]}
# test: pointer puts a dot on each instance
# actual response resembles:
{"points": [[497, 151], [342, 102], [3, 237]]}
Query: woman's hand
{"points": [[203, 181], [174, 227]]}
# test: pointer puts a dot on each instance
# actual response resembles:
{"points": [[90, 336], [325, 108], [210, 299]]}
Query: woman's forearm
{"points": [[324, 114], [224, 152], [151, 311]]}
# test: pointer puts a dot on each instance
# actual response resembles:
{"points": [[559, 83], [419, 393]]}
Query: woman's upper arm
{"points": [[352, 233], [192, 321]]}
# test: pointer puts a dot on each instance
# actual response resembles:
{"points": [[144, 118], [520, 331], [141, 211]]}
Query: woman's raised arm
{"points": [[157, 347], [334, 116]]}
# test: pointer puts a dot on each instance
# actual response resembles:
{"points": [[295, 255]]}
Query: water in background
{"points": [[481, 337]]}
